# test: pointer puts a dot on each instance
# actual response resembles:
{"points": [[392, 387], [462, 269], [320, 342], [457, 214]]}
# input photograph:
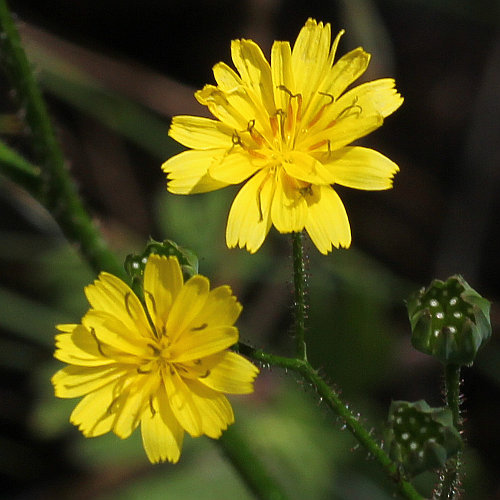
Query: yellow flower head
{"points": [[165, 366], [284, 128]]}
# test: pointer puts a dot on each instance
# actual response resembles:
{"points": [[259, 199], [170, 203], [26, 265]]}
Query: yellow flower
{"points": [[286, 127], [165, 366]]}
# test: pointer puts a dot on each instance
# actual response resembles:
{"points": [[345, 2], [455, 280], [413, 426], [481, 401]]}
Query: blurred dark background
{"points": [[114, 73]]}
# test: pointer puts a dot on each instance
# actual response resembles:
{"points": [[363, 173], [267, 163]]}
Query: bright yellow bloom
{"points": [[165, 366], [286, 127]]}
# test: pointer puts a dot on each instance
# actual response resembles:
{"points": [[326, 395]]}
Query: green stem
{"points": [[57, 191], [300, 292], [246, 463], [18, 170], [333, 400], [53, 186], [448, 489]]}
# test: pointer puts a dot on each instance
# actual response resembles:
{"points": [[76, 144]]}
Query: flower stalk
{"points": [[334, 402], [300, 294], [448, 488]]}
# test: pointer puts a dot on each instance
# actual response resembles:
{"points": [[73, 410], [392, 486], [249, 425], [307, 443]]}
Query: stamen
{"points": [[306, 191], [236, 140], [151, 407], [326, 94], [201, 327], [319, 114], [288, 91], [150, 296], [345, 112], [98, 342], [127, 305], [321, 143], [156, 351], [254, 133], [197, 361], [205, 375], [142, 372]]}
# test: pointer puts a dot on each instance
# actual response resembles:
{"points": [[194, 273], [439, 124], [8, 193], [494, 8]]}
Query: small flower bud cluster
{"points": [[421, 438], [449, 320], [135, 263]]}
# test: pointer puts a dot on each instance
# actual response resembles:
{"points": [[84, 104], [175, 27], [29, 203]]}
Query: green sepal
{"points": [[449, 320], [421, 438], [136, 263]]}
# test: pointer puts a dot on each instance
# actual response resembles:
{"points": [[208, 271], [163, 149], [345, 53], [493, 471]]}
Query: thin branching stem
{"points": [[56, 189], [333, 400], [53, 186]]}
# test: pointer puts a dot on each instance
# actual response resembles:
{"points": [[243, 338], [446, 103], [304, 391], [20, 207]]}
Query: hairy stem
{"points": [[300, 294], [333, 400], [56, 189], [449, 486], [251, 470]]}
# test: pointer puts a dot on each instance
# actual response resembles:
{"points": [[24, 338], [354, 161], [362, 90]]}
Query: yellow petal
{"points": [[233, 168], [281, 64], [181, 403], [66, 328], [361, 168], [255, 72], [220, 309], [162, 435], [327, 222], [201, 341], [232, 374], [321, 95], [289, 208], [345, 71], [305, 167], [113, 336], [91, 414], [240, 97], [340, 128], [214, 409], [187, 305], [380, 95], [132, 402], [162, 283], [112, 295], [310, 58], [220, 106], [75, 381], [79, 348], [188, 171], [201, 133], [250, 215]]}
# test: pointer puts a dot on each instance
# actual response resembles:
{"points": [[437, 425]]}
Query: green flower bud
{"points": [[135, 263], [421, 438], [449, 320]]}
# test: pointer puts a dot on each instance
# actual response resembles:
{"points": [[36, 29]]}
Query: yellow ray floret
{"points": [[164, 365], [285, 129]]}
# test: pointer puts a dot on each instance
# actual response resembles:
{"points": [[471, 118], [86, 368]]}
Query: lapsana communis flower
{"points": [[164, 366], [284, 128]]}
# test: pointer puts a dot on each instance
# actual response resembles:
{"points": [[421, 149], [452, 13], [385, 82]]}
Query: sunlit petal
{"points": [[162, 435], [361, 168], [327, 223], [187, 172], [250, 215]]}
